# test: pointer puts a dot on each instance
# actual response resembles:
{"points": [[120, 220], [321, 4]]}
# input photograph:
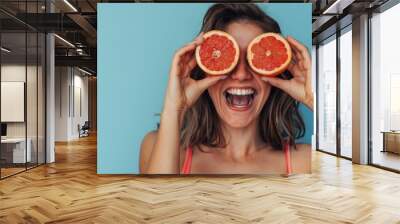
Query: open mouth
{"points": [[240, 98]]}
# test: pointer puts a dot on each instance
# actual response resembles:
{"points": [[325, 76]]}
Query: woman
{"points": [[202, 132]]}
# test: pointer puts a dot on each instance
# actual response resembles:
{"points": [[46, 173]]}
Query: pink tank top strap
{"points": [[187, 164], [288, 159]]}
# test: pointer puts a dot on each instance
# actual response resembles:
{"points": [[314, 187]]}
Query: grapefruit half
{"points": [[218, 54], [269, 54]]}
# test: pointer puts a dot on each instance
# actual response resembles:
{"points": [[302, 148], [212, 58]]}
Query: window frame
{"points": [[337, 34]]}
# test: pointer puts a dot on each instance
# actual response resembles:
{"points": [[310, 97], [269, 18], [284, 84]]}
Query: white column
{"points": [[50, 92], [50, 100], [360, 90], [63, 101]]}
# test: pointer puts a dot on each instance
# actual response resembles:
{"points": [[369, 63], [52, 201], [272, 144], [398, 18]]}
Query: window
{"points": [[314, 81], [385, 89], [346, 92], [327, 95]]}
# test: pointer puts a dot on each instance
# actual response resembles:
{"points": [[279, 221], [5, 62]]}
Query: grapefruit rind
{"points": [[278, 70], [224, 71]]}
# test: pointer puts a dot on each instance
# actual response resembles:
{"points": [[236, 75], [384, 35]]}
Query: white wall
{"points": [[12, 73], [70, 83], [13, 101], [79, 117], [16, 73], [62, 81]]}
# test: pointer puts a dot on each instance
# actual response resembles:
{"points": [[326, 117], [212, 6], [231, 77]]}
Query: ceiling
{"points": [[76, 22]]}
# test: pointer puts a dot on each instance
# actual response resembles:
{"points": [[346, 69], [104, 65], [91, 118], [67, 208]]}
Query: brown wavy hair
{"points": [[280, 119]]}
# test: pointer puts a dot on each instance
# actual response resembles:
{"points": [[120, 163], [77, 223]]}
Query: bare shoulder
{"points": [[150, 137], [146, 148], [302, 158], [303, 148]]}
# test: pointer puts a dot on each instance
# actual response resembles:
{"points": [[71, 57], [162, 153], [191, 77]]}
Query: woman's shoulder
{"points": [[150, 137], [303, 148], [146, 147], [301, 158], [303, 151], [149, 140], [148, 143]]}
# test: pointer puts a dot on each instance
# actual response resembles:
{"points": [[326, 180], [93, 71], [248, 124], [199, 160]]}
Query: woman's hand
{"points": [[183, 91], [299, 87]]}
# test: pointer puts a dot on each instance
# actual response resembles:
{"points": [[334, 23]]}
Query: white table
{"points": [[19, 155]]}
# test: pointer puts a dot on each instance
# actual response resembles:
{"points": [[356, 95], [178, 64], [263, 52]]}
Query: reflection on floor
{"points": [[346, 152], [387, 159], [11, 169], [70, 191]]}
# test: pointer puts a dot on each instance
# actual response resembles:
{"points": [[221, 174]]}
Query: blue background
{"points": [[136, 43]]}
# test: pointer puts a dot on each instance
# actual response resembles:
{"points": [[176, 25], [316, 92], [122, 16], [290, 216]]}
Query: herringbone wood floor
{"points": [[70, 191]]}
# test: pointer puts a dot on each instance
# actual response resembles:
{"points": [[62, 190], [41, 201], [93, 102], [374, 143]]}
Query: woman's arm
{"points": [[162, 157], [164, 153]]}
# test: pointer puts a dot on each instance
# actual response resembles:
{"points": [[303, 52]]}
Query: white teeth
{"points": [[240, 91]]}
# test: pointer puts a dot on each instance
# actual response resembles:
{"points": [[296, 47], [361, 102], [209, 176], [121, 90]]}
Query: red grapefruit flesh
{"points": [[269, 54], [218, 54]]}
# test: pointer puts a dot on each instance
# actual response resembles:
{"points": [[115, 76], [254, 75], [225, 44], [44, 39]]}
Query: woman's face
{"points": [[240, 97]]}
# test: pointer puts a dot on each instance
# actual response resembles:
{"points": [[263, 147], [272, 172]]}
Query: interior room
{"points": [[49, 127], [22, 101]]}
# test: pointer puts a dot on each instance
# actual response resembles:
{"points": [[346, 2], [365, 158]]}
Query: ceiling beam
{"points": [[83, 61], [84, 24], [337, 6]]}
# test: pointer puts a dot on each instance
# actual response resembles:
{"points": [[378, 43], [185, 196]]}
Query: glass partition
{"points": [[32, 95], [22, 77], [14, 153]]}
